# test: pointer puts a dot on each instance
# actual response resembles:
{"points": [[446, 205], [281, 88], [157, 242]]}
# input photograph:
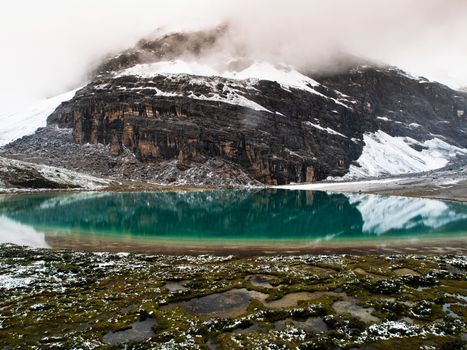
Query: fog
{"points": [[48, 46]]}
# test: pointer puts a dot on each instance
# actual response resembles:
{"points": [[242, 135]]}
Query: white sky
{"points": [[47, 46]]}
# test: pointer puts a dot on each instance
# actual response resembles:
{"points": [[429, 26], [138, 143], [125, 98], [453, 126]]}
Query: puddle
{"points": [[360, 272], [311, 325], [232, 303], [139, 331], [260, 281], [128, 309], [213, 344], [321, 270], [176, 286], [363, 273], [405, 272], [289, 300], [348, 305], [456, 296], [447, 306], [408, 320], [447, 310], [292, 299], [254, 328], [235, 302]]}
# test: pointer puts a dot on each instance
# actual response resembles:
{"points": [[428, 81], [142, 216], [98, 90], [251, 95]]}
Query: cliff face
{"points": [[403, 105], [294, 129], [276, 143]]}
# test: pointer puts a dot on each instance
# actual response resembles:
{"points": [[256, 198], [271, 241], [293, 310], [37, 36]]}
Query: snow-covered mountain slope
{"points": [[15, 174], [384, 154], [246, 78], [26, 122], [168, 101], [286, 76]]}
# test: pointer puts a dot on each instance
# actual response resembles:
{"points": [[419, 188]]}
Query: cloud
{"points": [[424, 36], [49, 45]]}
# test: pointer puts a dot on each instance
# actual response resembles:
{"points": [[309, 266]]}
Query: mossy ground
{"points": [[52, 299]]}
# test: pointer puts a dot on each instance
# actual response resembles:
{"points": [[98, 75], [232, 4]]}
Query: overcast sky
{"points": [[49, 45]]}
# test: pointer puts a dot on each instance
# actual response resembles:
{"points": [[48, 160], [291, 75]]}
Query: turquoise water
{"points": [[233, 216]]}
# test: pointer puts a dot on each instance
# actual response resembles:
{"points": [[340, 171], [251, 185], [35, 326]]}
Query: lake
{"points": [[235, 219]]}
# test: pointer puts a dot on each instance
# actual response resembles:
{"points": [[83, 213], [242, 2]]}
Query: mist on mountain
{"points": [[53, 45]]}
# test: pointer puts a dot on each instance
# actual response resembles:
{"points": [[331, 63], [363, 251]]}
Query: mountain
{"points": [[160, 112]]}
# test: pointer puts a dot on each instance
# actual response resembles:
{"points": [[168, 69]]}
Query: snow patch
{"points": [[12, 282], [388, 330], [228, 94], [335, 186], [328, 130], [150, 70], [284, 75], [414, 125], [26, 122], [386, 119], [233, 98], [384, 154]]}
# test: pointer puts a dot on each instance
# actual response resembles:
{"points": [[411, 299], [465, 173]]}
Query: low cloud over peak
{"points": [[48, 46]]}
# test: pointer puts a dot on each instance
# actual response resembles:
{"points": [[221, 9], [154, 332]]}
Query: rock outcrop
{"points": [[16, 175]]}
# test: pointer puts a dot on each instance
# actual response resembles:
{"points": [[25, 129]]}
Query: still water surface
{"points": [[229, 216]]}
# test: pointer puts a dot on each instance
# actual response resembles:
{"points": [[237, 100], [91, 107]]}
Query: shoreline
{"points": [[449, 183], [443, 187], [349, 187], [435, 246]]}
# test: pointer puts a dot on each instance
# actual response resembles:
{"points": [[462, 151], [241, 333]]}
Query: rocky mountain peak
{"points": [[161, 112], [166, 47]]}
